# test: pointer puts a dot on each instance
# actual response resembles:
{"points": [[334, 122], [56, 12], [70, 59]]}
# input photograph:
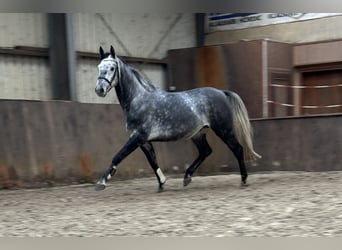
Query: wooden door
{"points": [[318, 95]]}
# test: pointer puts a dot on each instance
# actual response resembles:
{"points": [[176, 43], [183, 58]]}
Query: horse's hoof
{"points": [[100, 185], [244, 184], [187, 181], [161, 189]]}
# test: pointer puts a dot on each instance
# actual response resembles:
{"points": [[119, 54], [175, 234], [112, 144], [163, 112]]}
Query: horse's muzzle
{"points": [[101, 92]]}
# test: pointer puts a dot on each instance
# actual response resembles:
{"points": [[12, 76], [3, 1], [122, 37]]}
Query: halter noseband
{"points": [[104, 78]]}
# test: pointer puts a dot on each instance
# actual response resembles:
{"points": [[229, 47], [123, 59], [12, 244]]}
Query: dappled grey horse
{"points": [[156, 115]]}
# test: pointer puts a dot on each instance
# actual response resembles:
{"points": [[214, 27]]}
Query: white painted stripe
{"points": [[306, 87], [306, 106]]}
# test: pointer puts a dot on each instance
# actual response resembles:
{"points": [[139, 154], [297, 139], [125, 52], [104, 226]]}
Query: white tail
{"points": [[242, 127]]}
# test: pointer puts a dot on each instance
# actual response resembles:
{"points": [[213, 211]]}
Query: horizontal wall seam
{"points": [[44, 52]]}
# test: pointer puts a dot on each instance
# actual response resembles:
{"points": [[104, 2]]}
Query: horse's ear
{"points": [[112, 51], [102, 54]]}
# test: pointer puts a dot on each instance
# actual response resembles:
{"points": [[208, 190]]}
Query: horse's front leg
{"points": [[133, 143], [150, 154]]}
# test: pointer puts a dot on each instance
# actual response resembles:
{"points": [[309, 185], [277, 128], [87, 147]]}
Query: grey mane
{"points": [[146, 84], [143, 82]]}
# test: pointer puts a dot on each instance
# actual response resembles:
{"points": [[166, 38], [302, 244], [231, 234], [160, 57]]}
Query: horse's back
{"points": [[174, 115], [217, 106], [215, 99]]}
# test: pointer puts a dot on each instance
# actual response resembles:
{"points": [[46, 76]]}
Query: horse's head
{"points": [[108, 72]]}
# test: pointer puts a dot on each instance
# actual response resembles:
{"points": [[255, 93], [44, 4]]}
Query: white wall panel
{"points": [[139, 33], [26, 29], [24, 78]]}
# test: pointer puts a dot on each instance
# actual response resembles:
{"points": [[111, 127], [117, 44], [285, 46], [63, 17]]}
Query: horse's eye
{"points": [[112, 68]]}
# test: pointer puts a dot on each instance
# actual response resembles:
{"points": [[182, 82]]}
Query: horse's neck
{"points": [[128, 87]]}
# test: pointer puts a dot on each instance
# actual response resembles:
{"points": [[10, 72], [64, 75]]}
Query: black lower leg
{"points": [[150, 154], [204, 151], [230, 140], [237, 150], [133, 142]]}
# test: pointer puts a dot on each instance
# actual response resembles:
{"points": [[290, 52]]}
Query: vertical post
{"points": [[71, 57], [61, 56], [297, 93], [265, 83], [200, 31]]}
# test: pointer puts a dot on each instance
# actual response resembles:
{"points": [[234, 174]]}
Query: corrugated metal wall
{"points": [[29, 29], [135, 35], [23, 77], [138, 35]]}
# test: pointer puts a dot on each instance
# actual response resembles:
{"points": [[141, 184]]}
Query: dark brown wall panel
{"points": [[211, 68], [280, 55], [181, 69], [321, 96], [230, 66], [244, 73], [280, 71]]}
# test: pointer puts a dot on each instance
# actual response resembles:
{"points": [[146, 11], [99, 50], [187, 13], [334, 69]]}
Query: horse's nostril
{"points": [[99, 91]]}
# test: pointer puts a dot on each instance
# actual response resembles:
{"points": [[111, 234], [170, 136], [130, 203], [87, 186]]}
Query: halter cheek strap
{"points": [[104, 78]]}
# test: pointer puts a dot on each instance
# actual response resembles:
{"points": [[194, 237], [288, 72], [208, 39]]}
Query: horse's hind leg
{"points": [[237, 150], [230, 140], [204, 151], [148, 150]]}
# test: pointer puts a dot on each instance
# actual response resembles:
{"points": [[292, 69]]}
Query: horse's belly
{"points": [[176, 130]]}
